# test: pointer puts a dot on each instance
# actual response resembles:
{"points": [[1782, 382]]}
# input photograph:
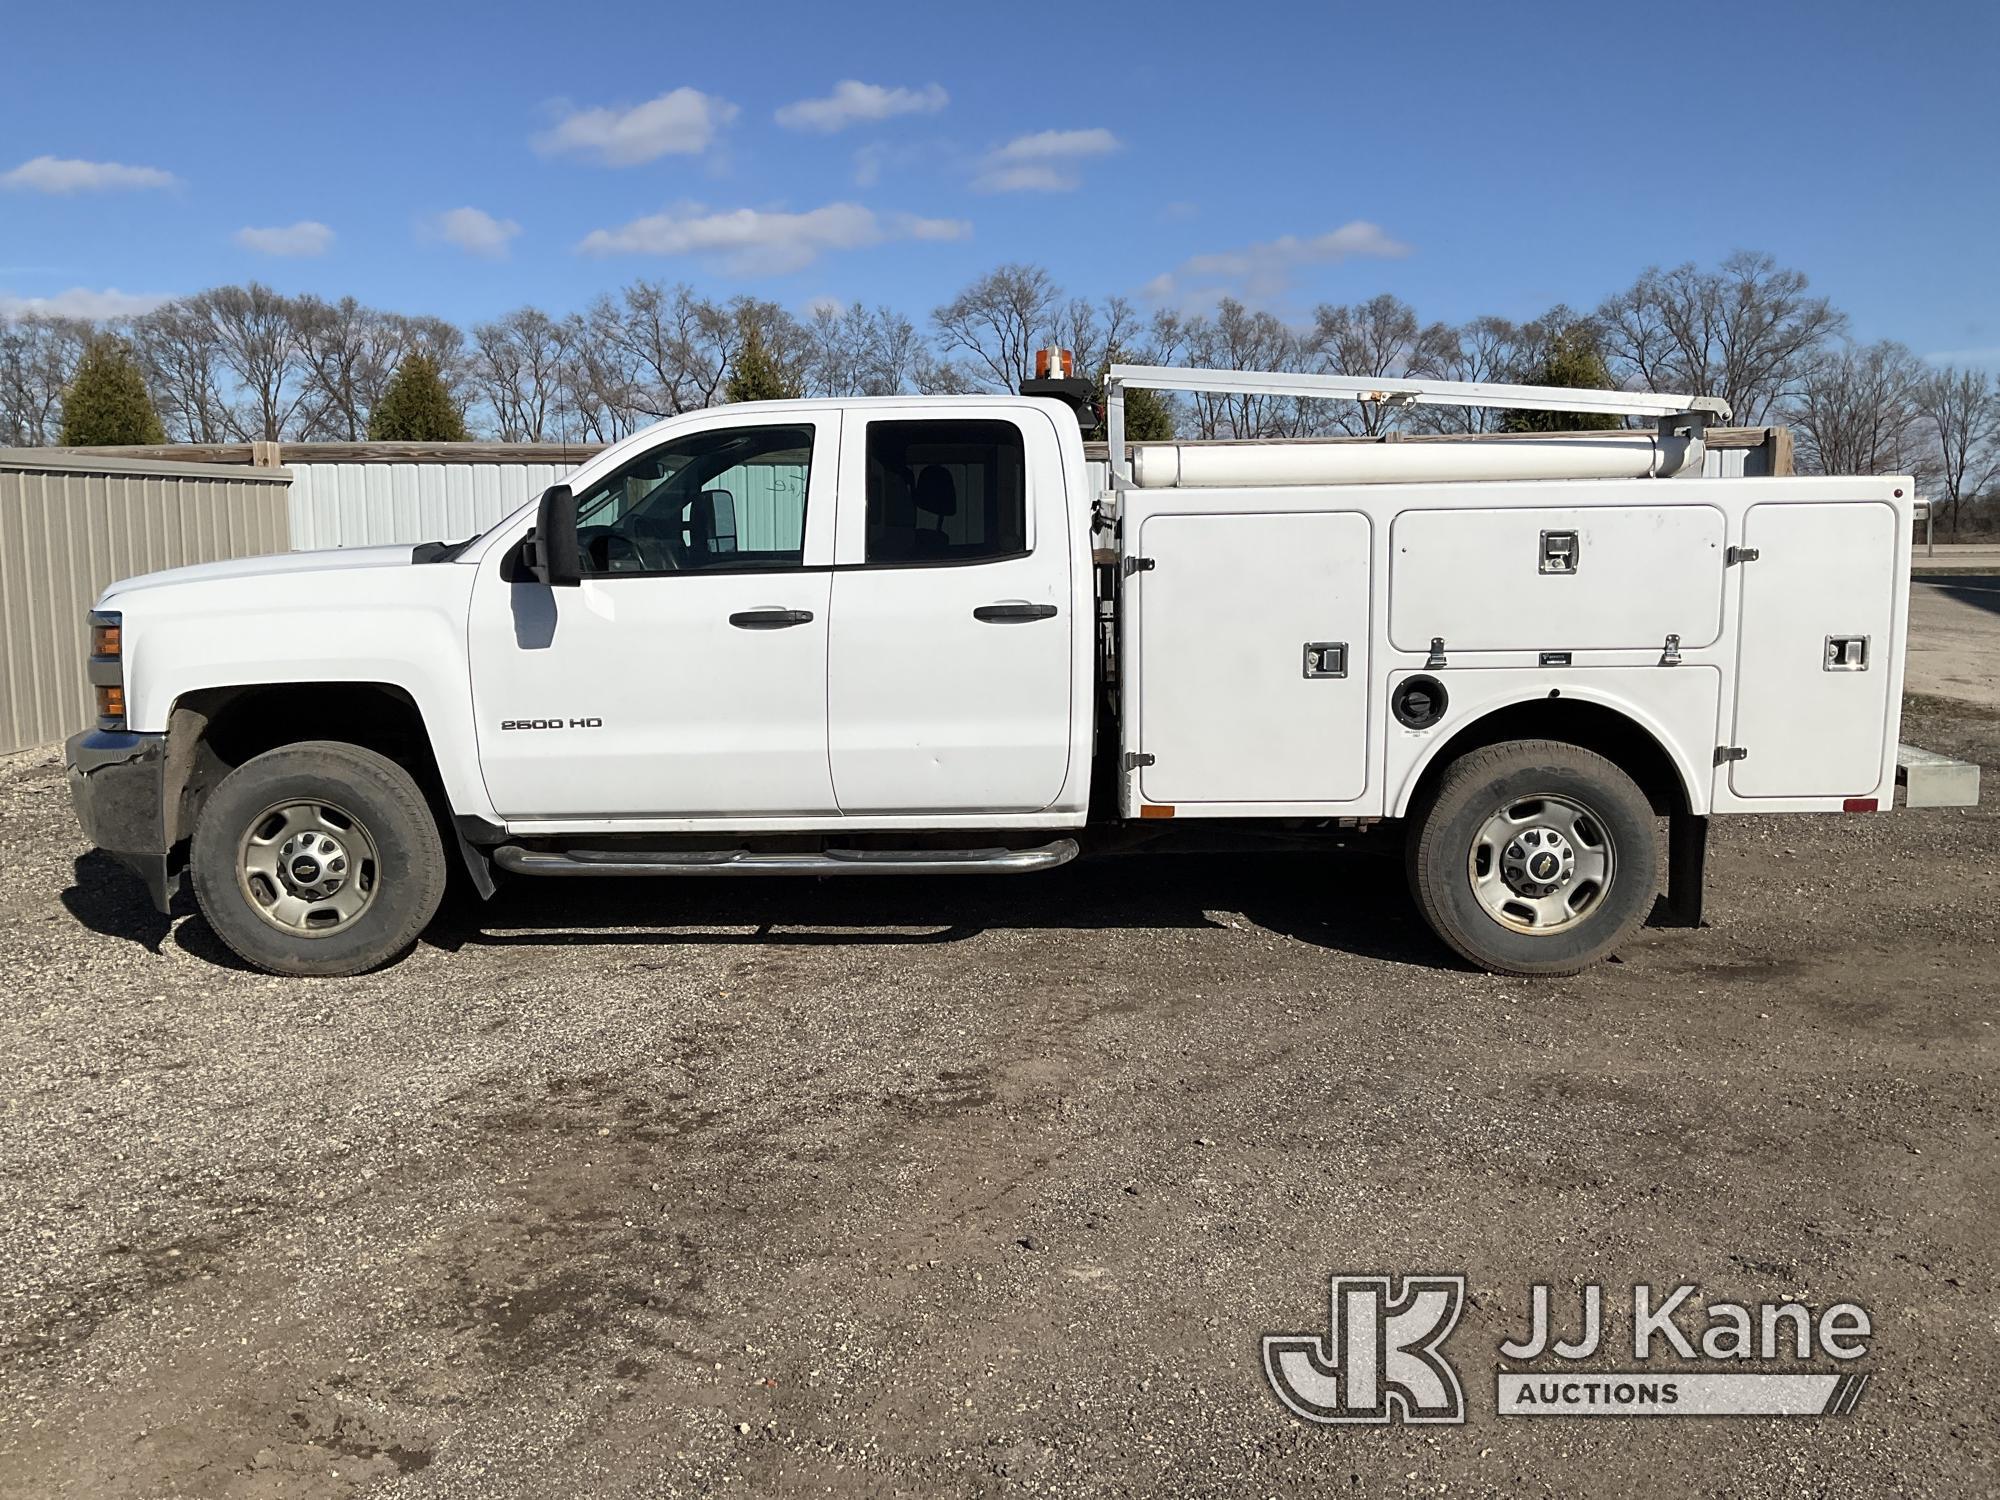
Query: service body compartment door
{"points": [[1253, 657], [1578, 578], [1815, 653]]}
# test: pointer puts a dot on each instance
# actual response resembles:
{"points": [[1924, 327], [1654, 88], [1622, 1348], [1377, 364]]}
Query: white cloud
{"points": [[1974, 357], [762, 241], [1045, 162], [83, 302], [63, 176], [854, 103], [909, 226], [473, 230], [1265, 270], [681, 123], [307, 237], [1047, 145]]}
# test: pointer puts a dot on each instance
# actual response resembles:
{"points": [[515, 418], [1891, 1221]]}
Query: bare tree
{"points": [[1857, 412], [257, 341], [183, 364], [1239, 339], [521, 372], [997, 324], [38, 355], [1963, 411], [1746, 331], [671, 347], [1095, 332], [1378, 337], [854, 352], [1484, 350], [350, 354], [597, 391]]}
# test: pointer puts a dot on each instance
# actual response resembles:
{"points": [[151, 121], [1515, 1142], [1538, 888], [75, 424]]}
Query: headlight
{"points": [[107, 667]]}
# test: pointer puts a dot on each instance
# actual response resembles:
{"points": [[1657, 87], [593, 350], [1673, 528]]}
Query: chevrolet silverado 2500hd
{"points": [[902, 634]]}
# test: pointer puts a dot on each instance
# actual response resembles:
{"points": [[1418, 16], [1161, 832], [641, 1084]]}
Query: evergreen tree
{"points": [[417, 408], [1572, 360], [106, 404], [1148, 416], [754, 375]]}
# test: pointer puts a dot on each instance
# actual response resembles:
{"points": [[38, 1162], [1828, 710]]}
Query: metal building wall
{"points": [[71, 525], [373, 504]]}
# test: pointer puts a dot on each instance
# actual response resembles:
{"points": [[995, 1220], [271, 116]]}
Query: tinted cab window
{"points": [[946, 492]]}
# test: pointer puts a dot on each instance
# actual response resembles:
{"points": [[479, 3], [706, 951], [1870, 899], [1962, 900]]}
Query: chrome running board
{"points": [[512, 857]]}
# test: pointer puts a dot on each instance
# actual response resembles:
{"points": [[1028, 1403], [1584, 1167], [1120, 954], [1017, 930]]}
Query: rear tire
{"points": [[319, 858], [1534, 857]]}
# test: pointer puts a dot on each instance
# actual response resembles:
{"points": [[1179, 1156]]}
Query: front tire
{"points": [[319, 858], [1534, 857]]}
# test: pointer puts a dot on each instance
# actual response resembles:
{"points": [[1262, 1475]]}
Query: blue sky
{"points": [[1469, 158]]}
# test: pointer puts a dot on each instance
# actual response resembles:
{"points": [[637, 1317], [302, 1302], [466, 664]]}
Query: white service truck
{"points": [[912, 635]]}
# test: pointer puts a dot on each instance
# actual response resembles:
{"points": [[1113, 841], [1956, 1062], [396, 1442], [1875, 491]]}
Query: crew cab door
{"points": [[686, 675], [948, 674]]}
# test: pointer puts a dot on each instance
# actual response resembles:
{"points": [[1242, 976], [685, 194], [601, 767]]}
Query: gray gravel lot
{"points": [[975, 1187]]}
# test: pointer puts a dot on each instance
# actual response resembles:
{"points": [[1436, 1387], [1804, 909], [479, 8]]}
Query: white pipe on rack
{"points": [[1630, 455]]}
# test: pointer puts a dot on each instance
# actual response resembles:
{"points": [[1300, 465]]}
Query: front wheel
{"points": [[319, 858], [1534, 857]]}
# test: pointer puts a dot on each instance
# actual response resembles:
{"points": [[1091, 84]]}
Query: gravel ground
{"points": [[981, 1187]]}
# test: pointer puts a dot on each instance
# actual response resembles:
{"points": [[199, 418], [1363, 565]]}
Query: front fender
{"points": [[402, 627]]}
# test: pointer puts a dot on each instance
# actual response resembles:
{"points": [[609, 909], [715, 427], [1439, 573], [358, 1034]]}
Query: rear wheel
{"points": [[319, 858], [1534, 857]]}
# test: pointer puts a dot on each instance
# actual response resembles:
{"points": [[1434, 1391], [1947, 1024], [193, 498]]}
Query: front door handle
{"points": [[770, 619], [1014, 610]]}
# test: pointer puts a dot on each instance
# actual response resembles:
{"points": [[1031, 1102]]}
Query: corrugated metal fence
{"points": [[70, 525], [373, 504]]}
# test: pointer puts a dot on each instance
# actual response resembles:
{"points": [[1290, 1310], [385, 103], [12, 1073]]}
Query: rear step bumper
{"points": [[521, 861], [1932, 780]]}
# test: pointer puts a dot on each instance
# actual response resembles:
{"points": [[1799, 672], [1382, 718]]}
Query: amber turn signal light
{"points": [[107, 640], [110, 704]]}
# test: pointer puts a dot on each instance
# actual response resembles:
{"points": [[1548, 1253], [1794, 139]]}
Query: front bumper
{"points": [[117, 784]]}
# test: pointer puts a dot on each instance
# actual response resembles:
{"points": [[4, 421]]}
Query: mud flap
{"points": [[1687, 861]]}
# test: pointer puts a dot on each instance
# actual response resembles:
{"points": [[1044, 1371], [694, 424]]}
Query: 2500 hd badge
{"points": [[551, 723]]}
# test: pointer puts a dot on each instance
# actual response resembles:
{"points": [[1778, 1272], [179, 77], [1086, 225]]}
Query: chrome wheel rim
{"points": [[1542, 864], [308, 867]]}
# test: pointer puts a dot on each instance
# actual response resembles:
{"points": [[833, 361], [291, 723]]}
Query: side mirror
{"points": [[555, 558]]}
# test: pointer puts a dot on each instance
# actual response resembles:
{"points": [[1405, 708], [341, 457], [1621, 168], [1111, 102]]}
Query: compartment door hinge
{"points": [[1137, 758], [1726, 753], [1138, 565], [1735, 555]]}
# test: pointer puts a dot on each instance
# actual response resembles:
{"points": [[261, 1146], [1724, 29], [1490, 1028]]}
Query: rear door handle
{"points": [[1014, 610], [770, 619]]}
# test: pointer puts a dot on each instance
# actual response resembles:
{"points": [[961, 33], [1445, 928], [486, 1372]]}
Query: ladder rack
{"points": [[1690, 413]]}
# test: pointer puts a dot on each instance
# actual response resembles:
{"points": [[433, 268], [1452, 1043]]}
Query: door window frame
{"points": [[851, 523], [816, 552]]}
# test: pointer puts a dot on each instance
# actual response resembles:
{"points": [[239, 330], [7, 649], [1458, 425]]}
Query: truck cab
{"points": [[791, 615], [917, 634]]}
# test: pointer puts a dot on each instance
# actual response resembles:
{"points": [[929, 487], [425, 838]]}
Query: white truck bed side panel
{"points": [[1231, 606], [1474, 577], [1825, 572]]}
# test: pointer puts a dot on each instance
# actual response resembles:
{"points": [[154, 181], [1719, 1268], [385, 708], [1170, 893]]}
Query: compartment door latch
{"points": [[1326, 659], [1560, 551]]}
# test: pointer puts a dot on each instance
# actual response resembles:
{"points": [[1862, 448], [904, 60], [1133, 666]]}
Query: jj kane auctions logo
{"points": [[1382, 1357]]}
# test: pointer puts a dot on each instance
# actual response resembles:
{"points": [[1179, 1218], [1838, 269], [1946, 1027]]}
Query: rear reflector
{"points": [[1148, 810], [1858, 804]]}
